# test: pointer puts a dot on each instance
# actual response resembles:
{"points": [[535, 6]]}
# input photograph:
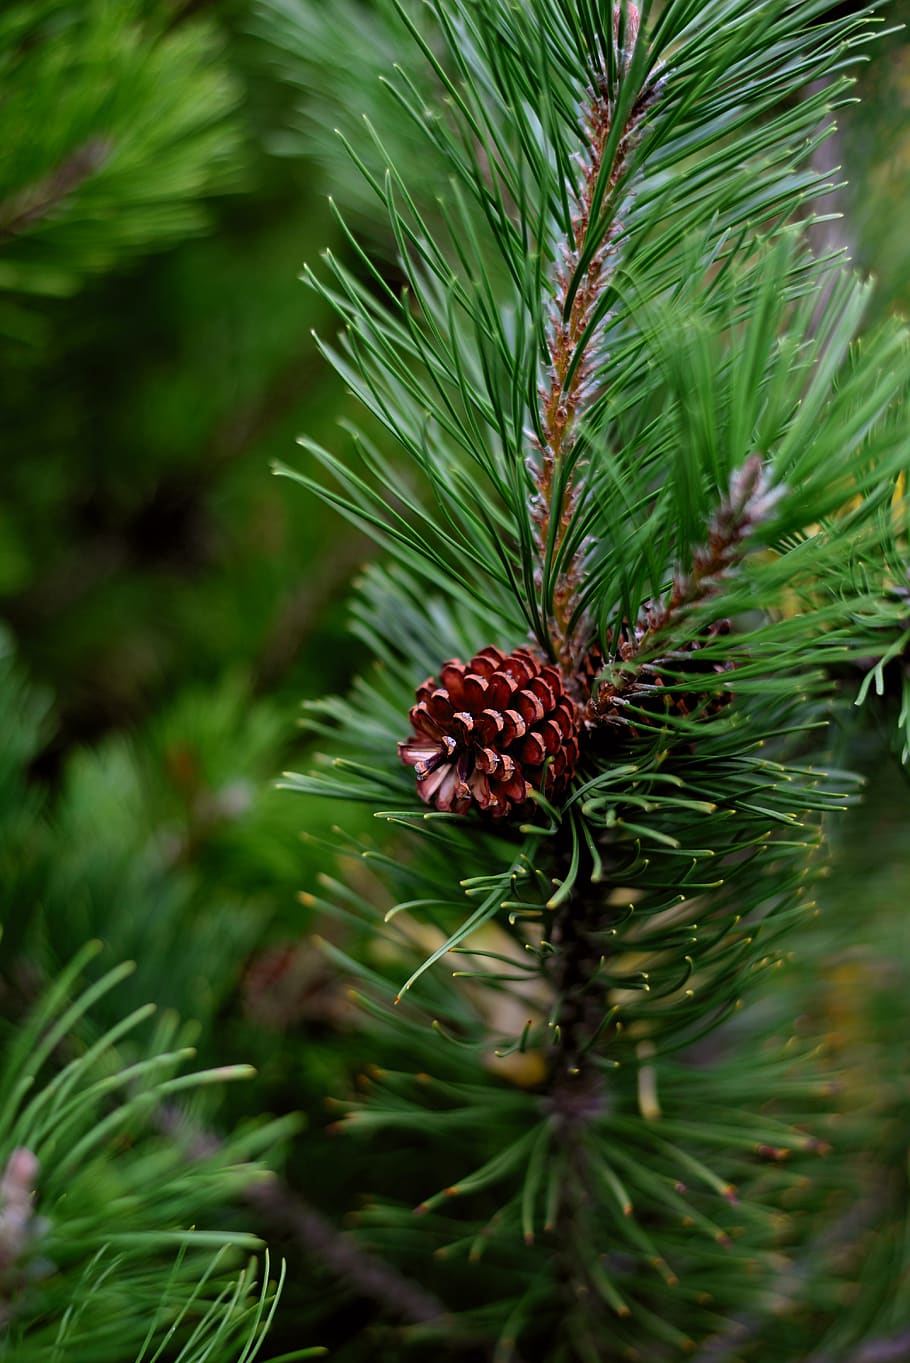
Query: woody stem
{"points": [[572, 343], [576, 1088]]}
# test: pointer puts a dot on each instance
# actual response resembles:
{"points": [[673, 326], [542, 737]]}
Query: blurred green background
{"points": [[166, 604]]}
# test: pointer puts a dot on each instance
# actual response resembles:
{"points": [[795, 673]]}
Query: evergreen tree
{"points": [[117, 123], [124, 1225], [158, 586], [111, 1207], [646, 553]]}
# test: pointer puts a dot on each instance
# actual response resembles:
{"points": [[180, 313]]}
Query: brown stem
{"points": [[288, 1213], [577, 1095], [369, 1276], [571, 351], [575, 964], [749, 501], [34, 204]]}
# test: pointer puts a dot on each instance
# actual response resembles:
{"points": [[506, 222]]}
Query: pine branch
{"points": [[574, 332], [286, 1212], [691, 411], [360, 1272], [81, 1220], [749, 502], [577, 1098], [115, 166], [42, 200]]}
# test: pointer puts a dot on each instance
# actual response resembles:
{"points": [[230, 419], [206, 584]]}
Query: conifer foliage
{"points": [[122, 1231], [648, 484], [107, 153]]}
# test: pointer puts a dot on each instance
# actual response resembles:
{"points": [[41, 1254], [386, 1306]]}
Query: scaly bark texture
{"points": [[647, 648], [573, 347]]}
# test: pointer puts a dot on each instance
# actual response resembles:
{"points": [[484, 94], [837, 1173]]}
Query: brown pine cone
{"points": [[483, 734]]}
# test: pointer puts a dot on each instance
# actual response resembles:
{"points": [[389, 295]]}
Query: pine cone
{"points": [[484, 732]]}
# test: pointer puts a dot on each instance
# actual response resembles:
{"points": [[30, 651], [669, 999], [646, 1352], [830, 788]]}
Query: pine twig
{"points": [[749, 501], [289, 1213], [371, 1277], [576, 1091], [33, 205], [573, 345]]}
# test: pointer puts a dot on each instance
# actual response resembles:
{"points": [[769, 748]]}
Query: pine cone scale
{"points": [[513, 727], [489, 726]]}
